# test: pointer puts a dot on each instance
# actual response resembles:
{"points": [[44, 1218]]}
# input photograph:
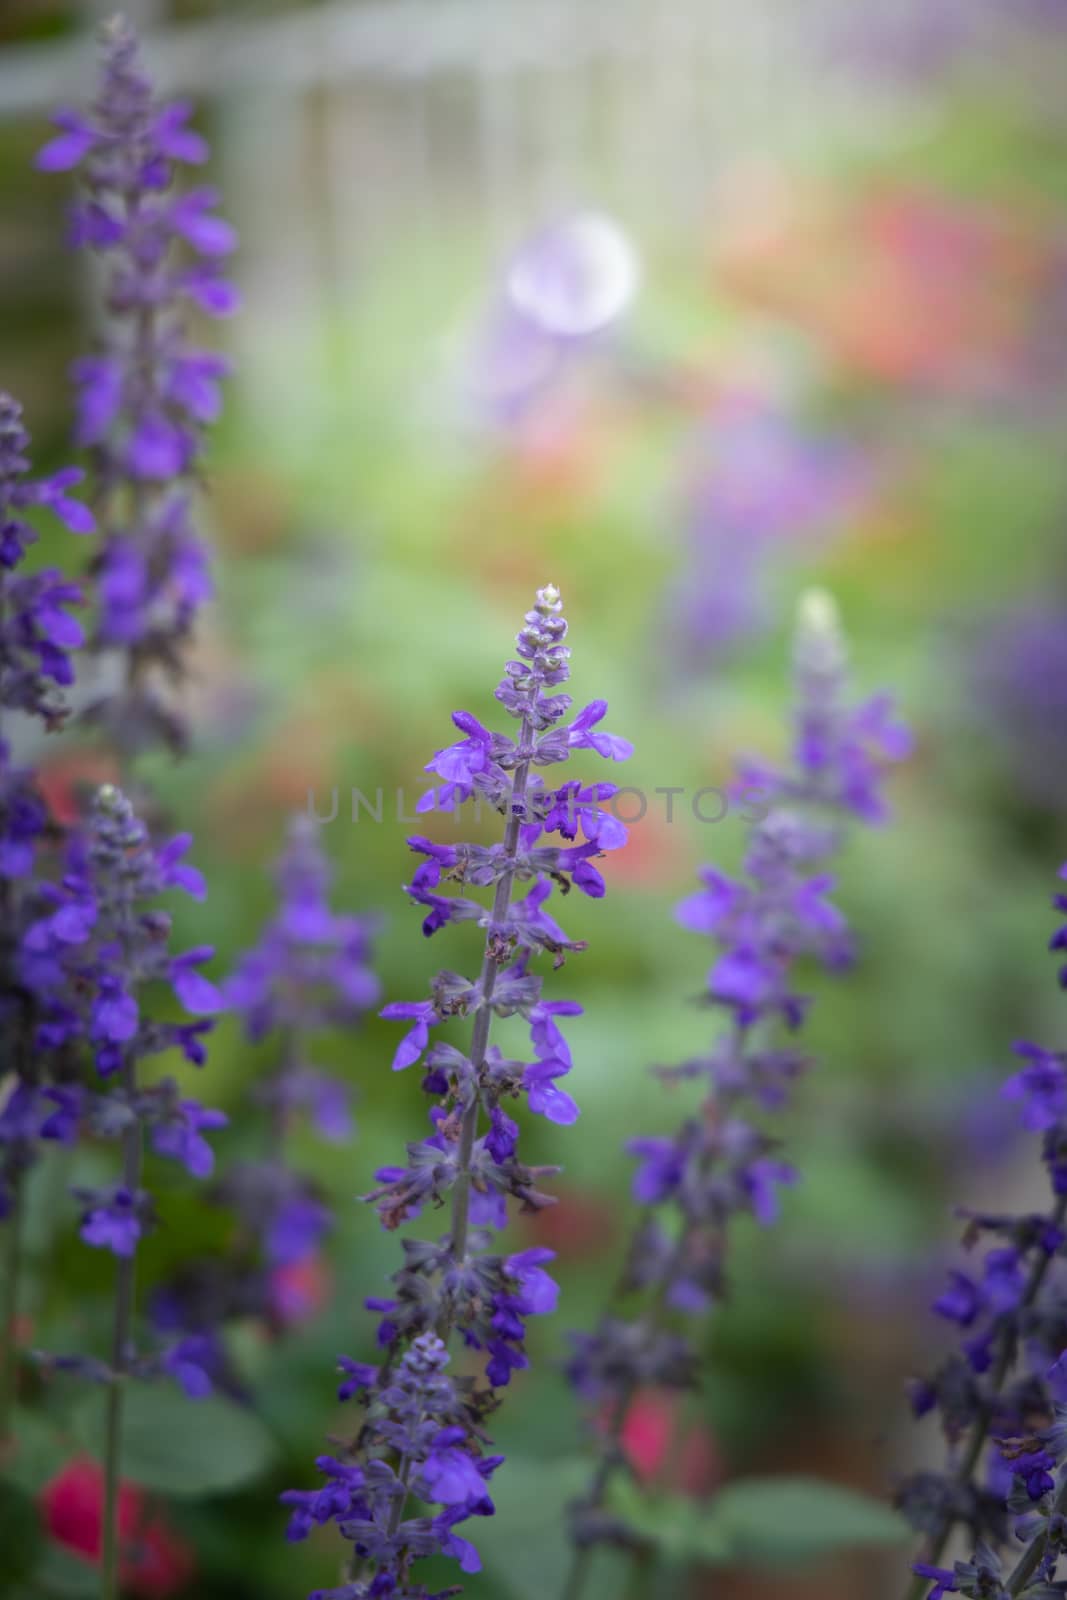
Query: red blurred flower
{"points": [[658, 1449], [647, 1432], [299, 1290], [155, 1563]]}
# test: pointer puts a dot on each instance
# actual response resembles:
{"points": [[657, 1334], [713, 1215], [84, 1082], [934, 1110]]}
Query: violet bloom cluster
{"points": [[419, 1415], [1000, 1396], [97, 941], [470, 1157], [38, 634], [146, 395], [722, 1163], [309, 973]]}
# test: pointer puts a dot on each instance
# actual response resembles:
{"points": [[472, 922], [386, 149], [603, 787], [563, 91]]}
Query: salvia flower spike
{"points": [[722, 1163], [309, 973], [38, 634], [145, 397], [98, 941], [1000, 1398], [424, 1430]]}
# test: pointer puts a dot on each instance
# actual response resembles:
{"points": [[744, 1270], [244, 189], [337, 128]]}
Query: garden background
{"points": [[827, 306]]}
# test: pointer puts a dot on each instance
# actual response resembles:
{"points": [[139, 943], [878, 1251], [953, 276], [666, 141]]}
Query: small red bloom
{"points": [[156, 1563], [658, 1447], [647, 1432]]}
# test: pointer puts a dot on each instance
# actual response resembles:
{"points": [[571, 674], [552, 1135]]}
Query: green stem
{"points": [[491, 963], [9, 1357], [611, 1454], [120, 1356], [12, 1264], [933, 1550]]}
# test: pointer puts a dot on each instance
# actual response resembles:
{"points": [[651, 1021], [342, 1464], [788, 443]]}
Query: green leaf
{"points": [[522, 1551], [792, 1519], [681, 1528], [179, 1446], [65, 1576], [771, 1521], [40, 1451], [20, 1532]]}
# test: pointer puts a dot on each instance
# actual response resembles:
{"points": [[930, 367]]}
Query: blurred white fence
{"points": [[346, 128]]}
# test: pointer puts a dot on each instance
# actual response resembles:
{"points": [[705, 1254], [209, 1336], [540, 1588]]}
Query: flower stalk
{"points": [[721, 1163], [461, 1283], [1002, 1392], [122, 1355]]}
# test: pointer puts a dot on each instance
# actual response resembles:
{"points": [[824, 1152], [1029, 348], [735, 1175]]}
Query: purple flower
{"points": [[90, 959], [960, 1301], [197, 994], [537, 1293], [146, 397], [189, 1363], [1007, 1373], [98, 944], [471, 1157], [115, 1013], [1041, 1086], [414, 1042], [295, 1230], [359, 1375], [543, 1094], [660, 1170], [421, 1423], [943, 1580], [450, 1475], [181, 1138], [719, 1164], [114, 1221], [73, 143], [581, 734], [175, 873], [503, 1136], [37, 631], [308, 974]]}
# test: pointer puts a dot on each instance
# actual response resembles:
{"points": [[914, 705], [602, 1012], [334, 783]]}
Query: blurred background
{"points": [[684, 306]]}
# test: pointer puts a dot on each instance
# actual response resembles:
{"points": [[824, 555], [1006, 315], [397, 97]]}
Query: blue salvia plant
{"points": [[147, 392], [37, 637], [91, 936], [98, 940], [723, 1162], [1001, 1397], [422, 1442], [309, 974]]}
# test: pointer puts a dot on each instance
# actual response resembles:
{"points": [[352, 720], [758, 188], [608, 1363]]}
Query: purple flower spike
{"points": [[97, 944], [309, 974], [37, 630], [1007, 1373], [720, 1164], [144, 400], [418, 1416], [470, 1158]]}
